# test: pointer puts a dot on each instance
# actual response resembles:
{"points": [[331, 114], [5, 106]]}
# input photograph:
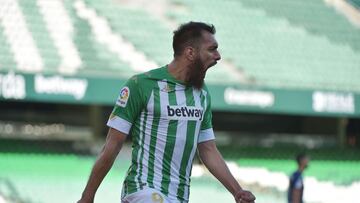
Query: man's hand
{"points": [[243, 196], [85, 201], [213, 161]]}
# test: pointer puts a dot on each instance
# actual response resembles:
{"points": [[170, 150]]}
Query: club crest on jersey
{"points": [[123, 97], [185, 113], [167, 89]]}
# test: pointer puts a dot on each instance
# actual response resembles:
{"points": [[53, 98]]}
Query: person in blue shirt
{"points": [[296, 185]]}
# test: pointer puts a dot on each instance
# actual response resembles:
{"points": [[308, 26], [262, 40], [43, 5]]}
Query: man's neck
{"points": [[178, 70]]}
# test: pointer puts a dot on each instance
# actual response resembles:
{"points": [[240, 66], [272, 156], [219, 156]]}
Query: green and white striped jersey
{"points": [[166, 120]]}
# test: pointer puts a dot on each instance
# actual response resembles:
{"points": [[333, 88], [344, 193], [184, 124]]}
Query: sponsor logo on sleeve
{"points": [[123, 97]]}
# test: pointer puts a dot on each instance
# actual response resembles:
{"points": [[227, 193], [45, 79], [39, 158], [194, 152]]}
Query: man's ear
{"points": [[190, 53]]}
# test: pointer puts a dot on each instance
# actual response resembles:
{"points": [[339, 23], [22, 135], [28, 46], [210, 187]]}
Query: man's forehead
{"points": [[209, 38]]}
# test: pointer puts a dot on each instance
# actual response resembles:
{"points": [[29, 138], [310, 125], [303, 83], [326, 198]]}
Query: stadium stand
{"points": [[280, 44], [144, 31], [44, 42], [293, 59], [111, 44], [5, 54], [155, 44], [68, 49], [22, 45], [283, 43]]}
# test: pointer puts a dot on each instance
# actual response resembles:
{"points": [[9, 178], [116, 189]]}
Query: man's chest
{"points": [[175, 102]]}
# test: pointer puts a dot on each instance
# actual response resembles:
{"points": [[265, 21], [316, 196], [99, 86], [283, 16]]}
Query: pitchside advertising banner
{"points": [[97, 90], [59, 88], [287, 101]]}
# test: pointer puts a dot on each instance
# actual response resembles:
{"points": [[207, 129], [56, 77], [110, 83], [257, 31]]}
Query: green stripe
{"points": [[153, 138], [203, 97], [170, 145], [204, 103], [190, 133]]}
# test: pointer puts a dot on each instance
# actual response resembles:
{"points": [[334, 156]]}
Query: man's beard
{"points": [[196, 74]]}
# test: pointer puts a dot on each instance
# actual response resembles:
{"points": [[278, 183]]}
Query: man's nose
{"points": [[217, 56]]}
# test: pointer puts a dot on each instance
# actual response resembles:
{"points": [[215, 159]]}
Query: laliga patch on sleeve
{"points": [[123, 97]]}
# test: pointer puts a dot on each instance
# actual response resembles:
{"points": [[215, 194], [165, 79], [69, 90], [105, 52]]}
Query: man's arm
{"points": [[215, 163], [104, 162]]}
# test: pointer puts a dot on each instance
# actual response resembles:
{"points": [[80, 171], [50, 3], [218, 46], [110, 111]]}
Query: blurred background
{"points": [[288, 82]]}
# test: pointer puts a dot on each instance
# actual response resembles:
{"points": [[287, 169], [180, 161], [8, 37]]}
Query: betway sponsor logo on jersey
{"points": [[184, 113]]}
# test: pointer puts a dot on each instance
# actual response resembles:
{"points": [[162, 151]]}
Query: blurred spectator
{"points": [[296, 185]]}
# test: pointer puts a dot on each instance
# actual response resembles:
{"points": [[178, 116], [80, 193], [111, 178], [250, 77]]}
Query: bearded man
{"points": [[167, 112]]}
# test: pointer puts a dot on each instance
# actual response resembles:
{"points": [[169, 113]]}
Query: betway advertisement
{"points": [[97, 90], [58, 88]]}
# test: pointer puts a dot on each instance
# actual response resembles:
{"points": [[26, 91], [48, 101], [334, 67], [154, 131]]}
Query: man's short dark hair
{"points": [[189, 34], [300, 157]]}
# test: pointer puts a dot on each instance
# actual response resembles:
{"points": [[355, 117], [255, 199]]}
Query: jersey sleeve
{"points": [[127, 107], [206, 130]]}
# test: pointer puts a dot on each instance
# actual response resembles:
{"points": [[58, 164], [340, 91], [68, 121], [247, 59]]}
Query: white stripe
{"points": [[22, 44], [146, 146], [205, 100], [162, 132], [119, 124], [206, 135], [141, 137], [178, 148], [197, 99]]}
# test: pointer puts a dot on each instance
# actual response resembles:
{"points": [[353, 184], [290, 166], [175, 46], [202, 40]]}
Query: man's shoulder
{"points": [[140, 78], [296, 175], [156, 73]]}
